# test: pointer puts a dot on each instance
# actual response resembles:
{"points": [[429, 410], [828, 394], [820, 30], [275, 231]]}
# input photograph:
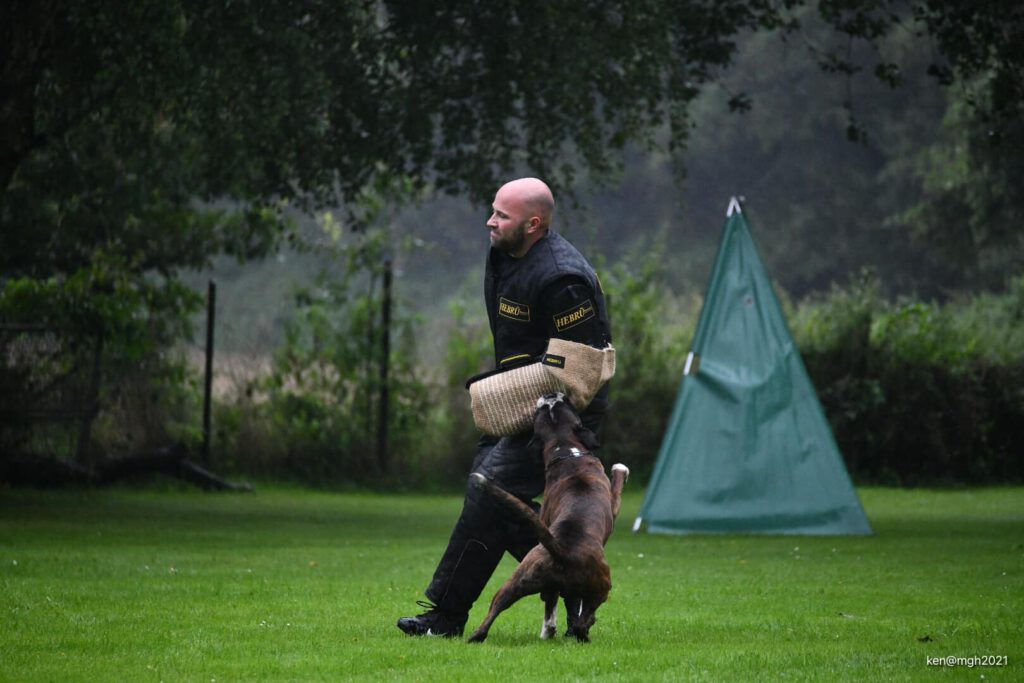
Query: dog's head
{"points": [[556, 422]]}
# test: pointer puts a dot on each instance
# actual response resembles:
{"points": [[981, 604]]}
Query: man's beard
{"points": [[511, 243]]}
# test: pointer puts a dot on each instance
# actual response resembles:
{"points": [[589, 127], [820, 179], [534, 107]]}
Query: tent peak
{"points": [[735, 206]]}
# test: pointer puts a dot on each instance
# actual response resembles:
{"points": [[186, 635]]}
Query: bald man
{"points": [[521, 215], [536, 286]]}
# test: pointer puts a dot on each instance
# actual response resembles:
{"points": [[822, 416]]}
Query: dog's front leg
{"points": [[586, 619], [550, 626], [620, 473]]}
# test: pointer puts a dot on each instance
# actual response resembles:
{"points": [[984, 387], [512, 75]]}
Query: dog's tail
{"points": [[525, 513], [620, 473]]}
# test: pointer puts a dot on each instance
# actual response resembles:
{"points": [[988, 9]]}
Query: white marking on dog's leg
{"points": [[619, 467], [550, 625]]}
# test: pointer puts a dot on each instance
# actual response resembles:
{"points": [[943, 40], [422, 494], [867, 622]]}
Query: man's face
{"points": [[508, 224]]}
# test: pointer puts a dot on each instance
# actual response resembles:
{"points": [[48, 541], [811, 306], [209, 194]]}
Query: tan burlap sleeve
{"points": [[581, 369], [503, 404]]}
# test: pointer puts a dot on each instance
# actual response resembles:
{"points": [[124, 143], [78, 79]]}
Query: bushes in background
{"points": [[917, 393], [312, 417], [652, 334], [315, 416], [86, 366], [920, 393]]}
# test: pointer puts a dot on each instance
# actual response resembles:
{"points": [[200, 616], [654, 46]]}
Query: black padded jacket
{"points": [[552, 291]]}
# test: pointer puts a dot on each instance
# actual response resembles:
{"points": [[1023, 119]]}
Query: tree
{"points": [[143, 138], [151, 137], [968, 198], [967, 183], [116, 120]]}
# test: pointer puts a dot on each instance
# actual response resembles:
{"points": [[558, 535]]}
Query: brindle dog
{"points": [[576, 519]]}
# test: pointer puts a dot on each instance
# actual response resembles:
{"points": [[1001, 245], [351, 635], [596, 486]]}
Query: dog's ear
{"points": [[587, 438]]}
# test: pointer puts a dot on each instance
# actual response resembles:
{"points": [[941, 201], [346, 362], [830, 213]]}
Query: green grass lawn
{"points": [[297, 585]]}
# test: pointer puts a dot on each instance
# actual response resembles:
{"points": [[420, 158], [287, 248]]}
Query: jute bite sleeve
{"points": [[503, 403]]}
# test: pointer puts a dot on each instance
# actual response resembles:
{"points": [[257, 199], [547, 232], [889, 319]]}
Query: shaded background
{"points": [[305, 156]]}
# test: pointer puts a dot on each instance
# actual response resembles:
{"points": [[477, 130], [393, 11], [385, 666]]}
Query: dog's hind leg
{"points": [[514, 589], [550, 625], [620, 473]]}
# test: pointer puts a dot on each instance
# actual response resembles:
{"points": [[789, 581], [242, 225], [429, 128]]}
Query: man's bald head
{"points": [[535, 196], [522, 215]]}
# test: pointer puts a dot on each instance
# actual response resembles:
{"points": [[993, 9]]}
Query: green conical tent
{"points": [[748, 448]]}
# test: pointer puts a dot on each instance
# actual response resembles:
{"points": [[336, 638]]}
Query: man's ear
{"points": [[587, 438]]}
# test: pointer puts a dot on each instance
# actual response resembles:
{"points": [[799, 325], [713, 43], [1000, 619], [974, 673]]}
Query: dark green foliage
{"points": [[970, 39], [651, 337], [969, 191], [557, 86], [929, 196], [141, 139], [964, 188], [918, 393], [142, 394], [322, 397], [468, 352]]}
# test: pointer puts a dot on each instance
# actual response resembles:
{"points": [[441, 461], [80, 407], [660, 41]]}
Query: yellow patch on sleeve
{"points": [[574, 316], [513, 311]]}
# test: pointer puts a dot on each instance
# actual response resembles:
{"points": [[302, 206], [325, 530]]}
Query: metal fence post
{"points": [[211, 303], [385, 360]]}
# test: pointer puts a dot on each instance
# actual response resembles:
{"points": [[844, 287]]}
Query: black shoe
{"points": [[433, 622]]}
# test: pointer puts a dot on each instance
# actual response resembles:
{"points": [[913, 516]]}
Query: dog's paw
{"points": [[619, 467], [550, 400], [581, 635]]}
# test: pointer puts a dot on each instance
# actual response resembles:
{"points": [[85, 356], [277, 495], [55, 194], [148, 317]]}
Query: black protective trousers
{"points": [[485, 530]]}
